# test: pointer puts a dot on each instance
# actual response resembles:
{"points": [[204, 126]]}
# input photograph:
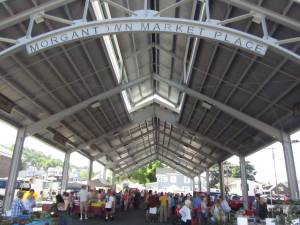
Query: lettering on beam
{"points": [[201, 30]]}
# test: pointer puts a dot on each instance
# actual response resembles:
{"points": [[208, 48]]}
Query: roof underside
{"points": [[163, 122]]}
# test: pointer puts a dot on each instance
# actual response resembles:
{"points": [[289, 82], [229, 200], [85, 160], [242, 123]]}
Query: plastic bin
{"points": [[249, 212]]}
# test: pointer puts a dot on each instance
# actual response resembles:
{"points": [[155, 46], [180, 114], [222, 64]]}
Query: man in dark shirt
{"points": [[256, 207]]}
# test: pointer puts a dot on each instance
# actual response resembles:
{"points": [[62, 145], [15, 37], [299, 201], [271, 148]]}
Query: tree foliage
{"points": [[250, 171], [84, 174], [32, 157], [230, 170], [147, 173]]}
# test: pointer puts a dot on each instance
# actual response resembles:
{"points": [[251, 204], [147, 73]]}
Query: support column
{"points": [[113, 185], [221, 179], [199, 182], [207, 181], [13, 171], [104, 173], [65, 175], [244, 182], [290, 166], [90, 173]]}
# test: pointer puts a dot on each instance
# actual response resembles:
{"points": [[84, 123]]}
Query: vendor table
{"points": [[40, 222], [96, 210]]}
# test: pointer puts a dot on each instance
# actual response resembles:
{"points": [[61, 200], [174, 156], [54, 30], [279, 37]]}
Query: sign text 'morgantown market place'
{"points": [[94, 29]]}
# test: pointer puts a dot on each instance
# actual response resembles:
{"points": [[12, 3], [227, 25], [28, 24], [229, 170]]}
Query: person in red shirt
{"points": [[125, 198], [152, 206]]}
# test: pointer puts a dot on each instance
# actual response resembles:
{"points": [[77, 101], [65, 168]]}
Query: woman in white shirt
{"points": [[29, 202], [185, 213]]}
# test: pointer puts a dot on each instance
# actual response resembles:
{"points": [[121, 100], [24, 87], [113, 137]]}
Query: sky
{"points": [[8, 136], [262, 160]]}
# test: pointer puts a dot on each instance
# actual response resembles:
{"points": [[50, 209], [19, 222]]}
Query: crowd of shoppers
{"points": [[159, 207]]}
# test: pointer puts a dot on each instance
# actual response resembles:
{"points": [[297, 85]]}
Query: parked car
{"points": [[236, 202]]}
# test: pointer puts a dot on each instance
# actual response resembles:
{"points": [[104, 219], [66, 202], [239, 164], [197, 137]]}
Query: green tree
{"points": [[230, 170], [146, 174], [214, 173], [84, 174], [250, 171]]}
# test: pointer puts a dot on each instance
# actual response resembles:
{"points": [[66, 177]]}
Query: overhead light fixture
{"points": [[59, 138], [206, 105], [95, 104], [6, 104], [39, 19]]}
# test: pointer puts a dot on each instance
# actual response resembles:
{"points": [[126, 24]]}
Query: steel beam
{"points": [[290, 166], [259, 125], [65, 175], [149, 160], [271, 15], [20, 17], [171, 118], [90, 173], [33, 128], [207, 181], [134, 163], [136, 117], [181, 166], [189, 175], [194, 149], [122, 145], [114, 164], [13, 171], [175, 153], [244, 182], [221, 179], [199, 183]]}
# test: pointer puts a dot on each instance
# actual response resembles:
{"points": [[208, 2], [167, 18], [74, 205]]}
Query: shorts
{"points": [[84, 205], [108, 209], [153, 210]]}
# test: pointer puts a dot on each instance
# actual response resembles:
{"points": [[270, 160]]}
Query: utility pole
{"points": [[275, 171]]}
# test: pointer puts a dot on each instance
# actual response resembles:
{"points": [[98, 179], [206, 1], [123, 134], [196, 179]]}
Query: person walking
{"points": [[163, 210], [29, 201], [83, 196], [109, 206], [125, 198], [152, 206]]}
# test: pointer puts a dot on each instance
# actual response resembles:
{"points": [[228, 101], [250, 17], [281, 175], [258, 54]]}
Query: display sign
{"points": [[201, 30]]}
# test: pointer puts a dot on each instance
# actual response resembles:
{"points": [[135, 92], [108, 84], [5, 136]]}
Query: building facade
{"points": [[5, 160], [169, 180], [253, 188]]}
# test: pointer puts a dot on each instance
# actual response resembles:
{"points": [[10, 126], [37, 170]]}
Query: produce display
{"points": [[25, 219]]}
